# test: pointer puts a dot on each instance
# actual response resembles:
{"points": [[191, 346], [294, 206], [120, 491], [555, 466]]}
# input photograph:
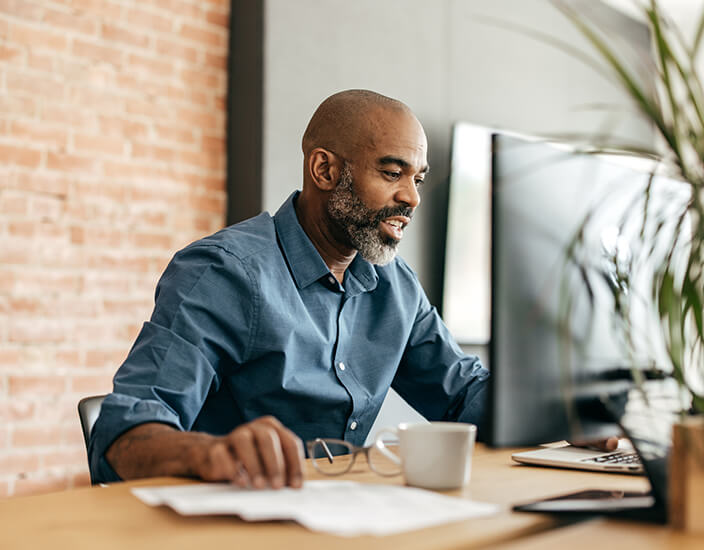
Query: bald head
{"points": [[345, 120]]}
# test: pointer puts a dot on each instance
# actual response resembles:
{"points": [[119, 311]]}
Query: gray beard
{"points": [[359, 223]]}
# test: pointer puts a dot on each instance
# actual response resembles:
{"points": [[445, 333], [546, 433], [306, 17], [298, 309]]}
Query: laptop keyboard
{"points": [[619, 457]]}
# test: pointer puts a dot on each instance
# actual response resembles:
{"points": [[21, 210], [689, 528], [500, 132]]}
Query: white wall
{"points": [[448, 63]]}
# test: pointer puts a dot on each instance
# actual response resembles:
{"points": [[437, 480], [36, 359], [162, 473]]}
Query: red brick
{"points": [[123, 127], [17, 105], [221, 19], [112, 358], [8, 53], [207, 160], [46, 207], [69, 163], [154, 110], [105, 283], [98, 236], [151, 240], [97, 52], [214, 144], [12, 204], [92, 385], [203, 36], [8, 356], [47, 282], [151, 65], [215, 205], [204, 78], [36, 331], [23, 9], [216, 61], [34, 84], [187, 10], [15, 254], [12, 410], [22, 229], [70, 358], [68, 117], [99, 144], [68, 457], [37, 37], [197, 117], [18, 463], [43, 183], [104, 9], [36, 385], [178, 50], [71, 21], [35, 436], [41, 61], [118, 34], [155, 152], [148, 20], [174, 133], [73, 435], [38, 132], [21, 156]]}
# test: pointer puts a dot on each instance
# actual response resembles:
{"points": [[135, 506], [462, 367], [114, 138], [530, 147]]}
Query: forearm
{"points": [[154, 449]]}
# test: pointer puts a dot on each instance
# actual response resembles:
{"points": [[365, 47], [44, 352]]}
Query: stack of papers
{"points": [[343, 508]]}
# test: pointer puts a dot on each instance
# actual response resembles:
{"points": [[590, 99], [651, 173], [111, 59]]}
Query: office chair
{"points": [[88, 410]]}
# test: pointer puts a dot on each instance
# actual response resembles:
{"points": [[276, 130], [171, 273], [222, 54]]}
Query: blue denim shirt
{"points": [[250, 322]]}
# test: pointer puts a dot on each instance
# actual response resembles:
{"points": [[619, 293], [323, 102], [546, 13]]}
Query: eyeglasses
{"points": [[334, 457]]}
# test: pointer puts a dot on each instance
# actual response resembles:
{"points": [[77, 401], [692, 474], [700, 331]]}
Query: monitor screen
{"points": [[549, 377]]}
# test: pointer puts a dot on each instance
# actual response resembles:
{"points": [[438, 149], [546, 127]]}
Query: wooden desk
{"points": [[111, 517], [603, 533]]}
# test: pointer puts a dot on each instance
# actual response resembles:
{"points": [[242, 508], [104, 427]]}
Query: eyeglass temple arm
{"points": [[326, 449]]}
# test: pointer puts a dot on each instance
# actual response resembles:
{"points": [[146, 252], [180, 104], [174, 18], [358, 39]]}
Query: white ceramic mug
{"points": [[433, 455]]}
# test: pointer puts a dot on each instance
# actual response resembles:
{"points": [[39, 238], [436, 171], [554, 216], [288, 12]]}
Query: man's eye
{"points": [[420, 181], [392, 175]]}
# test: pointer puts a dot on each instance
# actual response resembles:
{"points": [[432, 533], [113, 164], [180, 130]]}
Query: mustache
{"points": [[390, 211]]}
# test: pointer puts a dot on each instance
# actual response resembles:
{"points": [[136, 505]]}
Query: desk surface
{"points": [[110, 517]]}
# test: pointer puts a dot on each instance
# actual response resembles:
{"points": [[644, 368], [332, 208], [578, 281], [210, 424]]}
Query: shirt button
{"points": [[341, 365], [353, 426], [331, 280]]}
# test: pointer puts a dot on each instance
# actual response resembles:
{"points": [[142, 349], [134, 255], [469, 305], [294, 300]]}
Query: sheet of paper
{"points": [[344, 508]]}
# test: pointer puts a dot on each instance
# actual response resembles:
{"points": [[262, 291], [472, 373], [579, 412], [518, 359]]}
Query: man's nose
{"points": [[408, 193]]}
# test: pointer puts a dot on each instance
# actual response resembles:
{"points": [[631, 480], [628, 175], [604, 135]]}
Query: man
{"points": [[286, 328]]}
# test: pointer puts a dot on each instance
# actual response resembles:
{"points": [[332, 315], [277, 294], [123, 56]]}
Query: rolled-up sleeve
{"points": [[204, 305], [436, 377]]}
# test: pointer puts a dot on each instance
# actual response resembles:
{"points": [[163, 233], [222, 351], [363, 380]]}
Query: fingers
{"points": [[270, 454], [606, 444]]}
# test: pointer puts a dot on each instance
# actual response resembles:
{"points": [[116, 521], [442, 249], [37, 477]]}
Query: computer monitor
{"points": [[549, 379]]}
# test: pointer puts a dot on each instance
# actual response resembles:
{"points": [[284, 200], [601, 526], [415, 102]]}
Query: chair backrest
{"points": [[88, 411]]}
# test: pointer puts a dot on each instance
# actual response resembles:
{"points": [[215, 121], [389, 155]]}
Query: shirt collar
{"points": [[304, 261]]}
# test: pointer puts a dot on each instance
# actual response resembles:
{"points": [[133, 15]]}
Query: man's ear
{"points": [[324, 169]]}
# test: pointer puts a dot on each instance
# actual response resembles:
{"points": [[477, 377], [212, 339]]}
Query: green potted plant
{"points": [[673, 101]]}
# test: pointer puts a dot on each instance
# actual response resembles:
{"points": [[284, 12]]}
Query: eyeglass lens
{"points": [[331, 457], [335, 457]]}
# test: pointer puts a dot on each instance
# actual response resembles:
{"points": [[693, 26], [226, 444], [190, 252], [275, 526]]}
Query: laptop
{"points": [[623, 460], [646, 416]]}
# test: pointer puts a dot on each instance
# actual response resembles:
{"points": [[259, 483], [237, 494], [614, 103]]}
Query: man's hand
{"points": [[606, 444], [261, 453]]}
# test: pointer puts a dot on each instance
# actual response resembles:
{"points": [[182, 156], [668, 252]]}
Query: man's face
{"points": [[377, 192]]}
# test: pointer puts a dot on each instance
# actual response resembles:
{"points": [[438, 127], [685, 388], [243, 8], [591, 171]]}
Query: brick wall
{"points": [[112, 127]]}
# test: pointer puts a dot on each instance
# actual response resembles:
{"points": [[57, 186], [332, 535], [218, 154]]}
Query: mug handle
{"points": [[381, 447]]}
